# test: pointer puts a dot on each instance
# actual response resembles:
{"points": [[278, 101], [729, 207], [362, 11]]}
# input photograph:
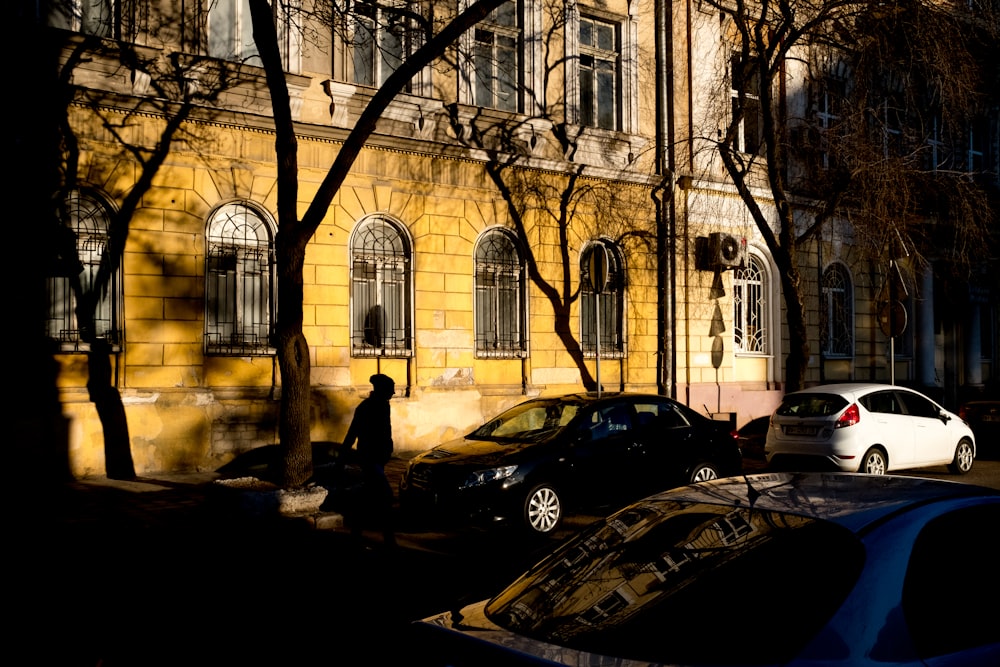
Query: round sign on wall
{"points": [[598, 268], [892, 318]]}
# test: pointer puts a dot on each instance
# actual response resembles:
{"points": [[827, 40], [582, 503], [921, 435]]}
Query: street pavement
{"points": [[163, 570]]}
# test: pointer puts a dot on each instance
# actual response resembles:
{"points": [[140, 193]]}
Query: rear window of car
{"points": [[654, 586], [811, 405]]}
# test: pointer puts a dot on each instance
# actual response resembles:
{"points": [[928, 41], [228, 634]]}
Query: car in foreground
{"points": [[530, 464], [866, 427], [787, 569]]}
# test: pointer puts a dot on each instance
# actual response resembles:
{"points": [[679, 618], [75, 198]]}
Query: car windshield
{"points": [[696, 584], [811, 405], [531, 420]]}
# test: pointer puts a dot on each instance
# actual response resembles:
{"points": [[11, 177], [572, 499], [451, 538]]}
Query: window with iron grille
{"points": [[501, 310], [497, 59], [239, 282], [88, 217], [750, 323], [611, 302], [837, 313], [381, 287]]}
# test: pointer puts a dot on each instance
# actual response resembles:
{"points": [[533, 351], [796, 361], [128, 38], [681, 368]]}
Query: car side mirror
{"points": [[944, 417]]}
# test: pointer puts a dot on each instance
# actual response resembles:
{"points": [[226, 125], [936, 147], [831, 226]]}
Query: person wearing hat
{"points": [[371, 427]]}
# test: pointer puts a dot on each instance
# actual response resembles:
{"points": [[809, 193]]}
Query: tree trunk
{"points": [[294, 364], [107, 400], [798, 353]]}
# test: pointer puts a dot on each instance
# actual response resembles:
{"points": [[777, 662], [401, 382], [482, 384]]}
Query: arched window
{"points": [[501, 310], [610, 303], [751, 323], [87, 216], [239, 281], [837, 313], [380, 290]]}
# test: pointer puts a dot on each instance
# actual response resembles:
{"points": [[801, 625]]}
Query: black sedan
{"points": [[530, 464], [790, 569]]}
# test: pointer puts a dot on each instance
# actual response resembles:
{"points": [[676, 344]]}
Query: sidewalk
{"points": [[161, 570], [152, 499]]}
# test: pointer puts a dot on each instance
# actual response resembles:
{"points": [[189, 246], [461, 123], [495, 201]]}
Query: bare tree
{"points": [[888, 52], [543, 200], [294, 231], [170, 94]]}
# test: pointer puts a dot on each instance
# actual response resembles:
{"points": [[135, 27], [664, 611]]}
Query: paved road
{"points": [[130, 581], [984, 473]]}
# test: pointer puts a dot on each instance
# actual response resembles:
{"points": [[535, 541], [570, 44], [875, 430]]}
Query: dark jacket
{"points": [[372, 428]]}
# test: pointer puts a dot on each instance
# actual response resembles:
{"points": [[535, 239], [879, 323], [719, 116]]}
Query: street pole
{"points": [[598, 280], [892, 328]]}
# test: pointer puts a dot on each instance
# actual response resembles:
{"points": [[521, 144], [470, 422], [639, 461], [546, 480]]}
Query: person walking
{"points": [[371, 428]]}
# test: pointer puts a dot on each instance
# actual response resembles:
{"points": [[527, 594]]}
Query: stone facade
{"points": [[191, 408]]}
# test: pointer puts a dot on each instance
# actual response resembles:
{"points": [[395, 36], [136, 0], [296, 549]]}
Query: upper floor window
{"points": [[88, 218], [828, 111], [497, 61], [91, 17], [382, 36], [230, 32], [500, 304], [239, 281], [750, 307], [603, 310], [977, 146], [937, 153], [501, 63], [381, 286], [599, 74], [891, 121], [745, 82], [837, 313]]}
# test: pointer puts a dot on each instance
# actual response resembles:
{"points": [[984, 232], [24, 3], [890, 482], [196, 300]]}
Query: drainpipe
{"points": [[663, 198]]}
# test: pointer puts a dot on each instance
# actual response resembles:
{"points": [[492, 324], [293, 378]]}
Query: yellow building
{"points": [[455, 257], [423, 268]]}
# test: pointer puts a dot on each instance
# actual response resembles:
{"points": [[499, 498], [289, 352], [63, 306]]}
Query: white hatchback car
{"points": [[869, 428]]}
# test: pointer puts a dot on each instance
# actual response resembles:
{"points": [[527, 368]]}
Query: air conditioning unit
{"points": [[725, 251]]}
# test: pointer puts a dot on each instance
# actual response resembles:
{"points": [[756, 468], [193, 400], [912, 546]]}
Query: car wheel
{"points": [[874, 462], [963, 458], [543, 509], [703, 472]]}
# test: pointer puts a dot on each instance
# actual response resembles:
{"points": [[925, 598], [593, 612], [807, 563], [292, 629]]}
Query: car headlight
{"points": [[481, 477]]}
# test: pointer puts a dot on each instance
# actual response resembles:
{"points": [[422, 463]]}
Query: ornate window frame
{"points": [[381, 261], [240, 283], [611, 300], [500, 302]]}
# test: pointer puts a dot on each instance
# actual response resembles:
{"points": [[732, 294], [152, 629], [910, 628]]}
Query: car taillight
{"points": [[850, 417]]}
